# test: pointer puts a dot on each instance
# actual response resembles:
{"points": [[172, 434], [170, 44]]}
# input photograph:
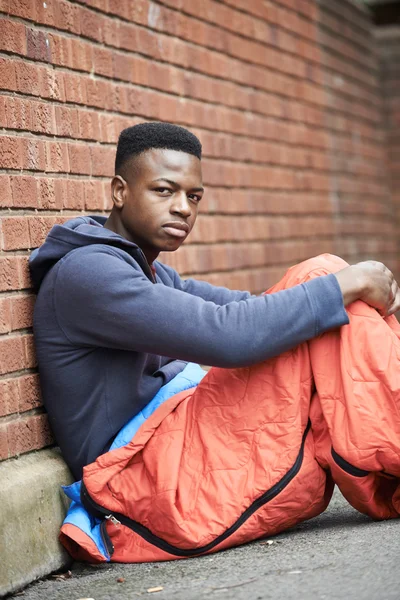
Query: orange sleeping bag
{"points": [[252, 451]]}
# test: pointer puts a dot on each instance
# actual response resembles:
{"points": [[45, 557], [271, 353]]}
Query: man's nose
{"points": [[180, 204]]}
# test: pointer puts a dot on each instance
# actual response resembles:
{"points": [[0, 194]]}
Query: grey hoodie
{"points": [[109, 333]]}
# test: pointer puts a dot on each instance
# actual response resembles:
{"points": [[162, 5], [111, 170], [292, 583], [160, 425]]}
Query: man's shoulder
{"points": [[104, 253], [94, 263]]}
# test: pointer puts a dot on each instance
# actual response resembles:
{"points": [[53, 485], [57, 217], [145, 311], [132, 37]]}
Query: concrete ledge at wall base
{"points": [[32, 508]]}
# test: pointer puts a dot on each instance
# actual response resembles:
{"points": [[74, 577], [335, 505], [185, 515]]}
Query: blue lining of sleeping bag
{"points": [[190, 377]]}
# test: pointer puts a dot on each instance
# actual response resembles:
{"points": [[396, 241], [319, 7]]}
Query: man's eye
{"points": [[195, 197], [163, 190]]}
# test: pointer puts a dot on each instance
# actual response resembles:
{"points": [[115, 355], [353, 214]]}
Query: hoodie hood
{"points": [[77, 233]]}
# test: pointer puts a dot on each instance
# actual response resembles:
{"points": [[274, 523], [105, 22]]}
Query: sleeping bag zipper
{"points": [[99, 511], [108, 545], [348, 467]]}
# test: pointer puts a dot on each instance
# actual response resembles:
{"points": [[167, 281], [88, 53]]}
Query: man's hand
{"points": [[371, 282]]}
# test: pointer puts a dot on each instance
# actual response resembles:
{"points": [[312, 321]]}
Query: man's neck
{"points": [[114, 224]]}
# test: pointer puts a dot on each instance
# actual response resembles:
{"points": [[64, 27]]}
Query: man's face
{"points": [[160, 198]]}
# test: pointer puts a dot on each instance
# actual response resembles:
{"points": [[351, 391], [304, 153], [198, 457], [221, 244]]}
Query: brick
{"points": [[18, 113], [60, 50], [60, 190], [22, 312], [79, 159], [49, 193], [23, 272], [15, 233], [106, 195], [46, 12], [75, 196], [39, 227], [8, 80], [23, 8], [9, 396], [121, 9], [30, 354], [57, 157], [24, 191], [3, 117], [21, 436], [103, 62], [44, 434], [27, 77], [5, 191], [67, 121], [75, 88], [103, 159], [28, 392], [124, 67], [52, 84], [91, 24], [43, 118], [82, 55], [101, 5], [12, 36], [12, 354], [33, 153], [89, 126], [109, 128], [10, 152], [5, 315], [28, 433], [98, 93], [38, 46], [94, 195], [67, 16], [131, 37], [9, 274]]}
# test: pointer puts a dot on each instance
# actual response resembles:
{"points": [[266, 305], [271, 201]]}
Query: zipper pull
{"points": [[113, 520]]}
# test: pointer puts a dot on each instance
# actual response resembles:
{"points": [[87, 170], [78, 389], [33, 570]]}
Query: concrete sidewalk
{"points": [[339, 555]]}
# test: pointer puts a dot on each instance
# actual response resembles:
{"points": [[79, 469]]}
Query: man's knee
{"points": [[330, 263], [324, 264]]}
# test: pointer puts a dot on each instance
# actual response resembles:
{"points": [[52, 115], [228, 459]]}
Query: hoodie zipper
{"points": [[117, 518], [348, 467]]}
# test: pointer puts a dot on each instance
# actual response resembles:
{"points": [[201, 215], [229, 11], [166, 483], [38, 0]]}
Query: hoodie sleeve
{"points": [[101, 300]]}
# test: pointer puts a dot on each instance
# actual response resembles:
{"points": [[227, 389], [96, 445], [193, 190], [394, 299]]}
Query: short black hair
{"points": [[145, 136]]}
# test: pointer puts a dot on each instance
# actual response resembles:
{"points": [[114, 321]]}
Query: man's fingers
{"points": [[395, 305], [377, 265], [394, 308], [393, 291]]}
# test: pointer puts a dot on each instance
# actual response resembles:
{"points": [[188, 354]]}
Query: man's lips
{"points": [[176, 229]]}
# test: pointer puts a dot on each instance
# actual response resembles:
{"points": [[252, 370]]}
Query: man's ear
{"points": [[118, 191]]}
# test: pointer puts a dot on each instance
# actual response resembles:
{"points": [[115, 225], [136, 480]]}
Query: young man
{"points": [[216, 460]]}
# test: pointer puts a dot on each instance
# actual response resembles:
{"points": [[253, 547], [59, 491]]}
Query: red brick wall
{"points": [[283, 94], [388, 39], [358, 188]]}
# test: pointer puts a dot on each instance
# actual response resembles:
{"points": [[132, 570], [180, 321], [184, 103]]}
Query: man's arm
{"points": [[370, 281], [102, 301]]}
